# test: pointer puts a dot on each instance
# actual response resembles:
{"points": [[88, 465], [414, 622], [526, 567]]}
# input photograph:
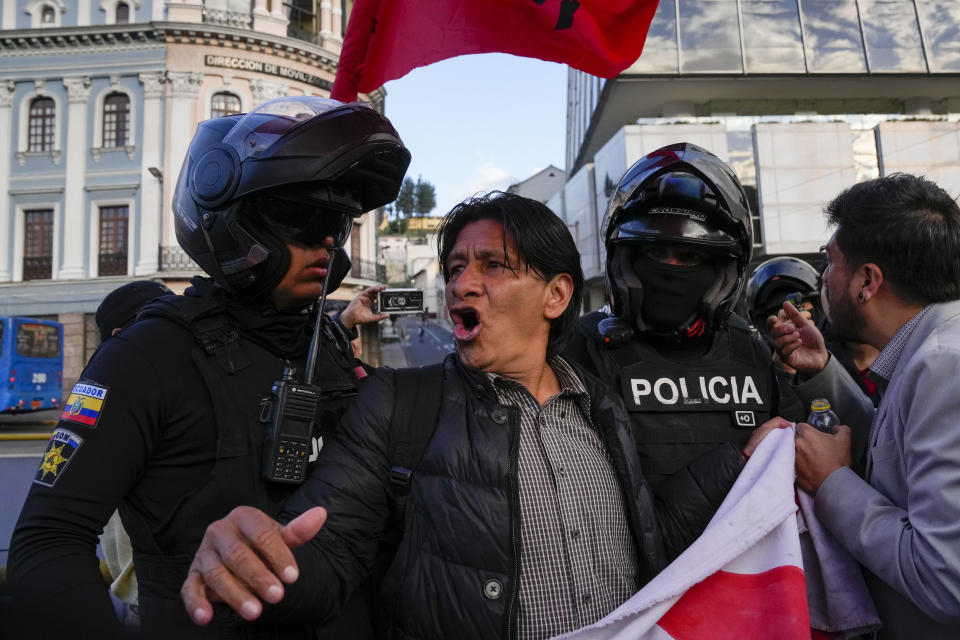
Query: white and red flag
{"points": [[385, 39], [743, 578]]}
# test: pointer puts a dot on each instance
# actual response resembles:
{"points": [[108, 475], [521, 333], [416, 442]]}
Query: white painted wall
{"points": [[930, 149], [800, 168]]}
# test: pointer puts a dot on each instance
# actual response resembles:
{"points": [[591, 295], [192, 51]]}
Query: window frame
{"points": [[124, 237], [98, 128], [93, 247], [116, 143], [26, 232], [36, 7], [48, 125], [224, 92]]}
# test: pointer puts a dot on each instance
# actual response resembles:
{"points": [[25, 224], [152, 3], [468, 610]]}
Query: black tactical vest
{"points": [[680, 409], [224, 358]]}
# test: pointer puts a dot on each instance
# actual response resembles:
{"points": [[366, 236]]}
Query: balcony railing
{"points": [[39, 268], [227, 18], [112, 264], [174, 259], [368, 270]]}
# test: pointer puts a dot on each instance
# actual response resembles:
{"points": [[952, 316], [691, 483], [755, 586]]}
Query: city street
{"points": [[23, 438], [413, 351]]}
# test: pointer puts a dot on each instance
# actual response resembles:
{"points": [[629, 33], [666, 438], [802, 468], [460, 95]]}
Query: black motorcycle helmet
{"points": [[302, 167], [772, 281], [684, 195]]}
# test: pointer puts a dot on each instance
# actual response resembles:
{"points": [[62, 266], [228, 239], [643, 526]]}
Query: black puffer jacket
{"points": [[461, 529]]}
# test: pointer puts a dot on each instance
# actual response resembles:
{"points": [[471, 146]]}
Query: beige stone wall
{"points": [[74, 348]]}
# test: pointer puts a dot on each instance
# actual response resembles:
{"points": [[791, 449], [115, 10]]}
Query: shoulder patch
{"points": [[84, 404], [63, 444]]}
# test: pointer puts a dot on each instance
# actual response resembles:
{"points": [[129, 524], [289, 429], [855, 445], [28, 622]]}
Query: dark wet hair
{"points": [[544, 246], [909, 227]]}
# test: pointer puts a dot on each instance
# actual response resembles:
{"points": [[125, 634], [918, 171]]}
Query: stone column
{"points": [[185, 87], [83, 13], [6, 226], [266, 22], [325, 17], [263, 90], [9, 16], [184, 10], [74, 217], [157, 14], [337, 16], [149, 220]]}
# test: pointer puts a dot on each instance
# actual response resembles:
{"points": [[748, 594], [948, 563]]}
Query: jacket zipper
{"points": [[514, 525]]}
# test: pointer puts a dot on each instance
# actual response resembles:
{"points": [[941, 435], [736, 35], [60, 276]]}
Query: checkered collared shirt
{"points": [[882, 368], [577, 560]]}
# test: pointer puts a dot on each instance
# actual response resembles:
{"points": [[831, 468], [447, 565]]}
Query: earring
{"points": [[860, 296]]}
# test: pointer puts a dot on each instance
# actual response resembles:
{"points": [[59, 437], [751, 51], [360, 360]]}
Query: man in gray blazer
{"points": [[891, 280]]}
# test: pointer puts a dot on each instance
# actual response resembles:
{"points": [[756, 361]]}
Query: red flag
{"points": [[387, 38]]}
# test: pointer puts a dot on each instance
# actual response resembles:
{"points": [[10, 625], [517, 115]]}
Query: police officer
{"points": [[772, 283], [776, 280], [168, 419], [678, 237]]}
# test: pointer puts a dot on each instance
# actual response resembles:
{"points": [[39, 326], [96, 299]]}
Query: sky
{"points": [[480, 122]]}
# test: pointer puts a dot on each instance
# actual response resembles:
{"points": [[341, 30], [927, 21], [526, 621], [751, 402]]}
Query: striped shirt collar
{"points": [[570, 382], [886, 362]]}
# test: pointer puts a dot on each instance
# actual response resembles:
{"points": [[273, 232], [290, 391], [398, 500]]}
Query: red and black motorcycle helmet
{"points": [[299, 166]]}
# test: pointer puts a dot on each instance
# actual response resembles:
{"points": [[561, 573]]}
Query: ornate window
{"points": [[116, 120], [122, 13], [114, 221], [43, 113], [45, 13], [38, 244], [224, 104]]}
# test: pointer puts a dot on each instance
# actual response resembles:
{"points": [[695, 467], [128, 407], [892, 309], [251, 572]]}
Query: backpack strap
{"points": [[203, 317], [415, 409]]}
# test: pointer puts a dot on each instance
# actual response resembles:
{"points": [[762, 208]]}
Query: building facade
{"points": [[98, 102], [801, 97]]}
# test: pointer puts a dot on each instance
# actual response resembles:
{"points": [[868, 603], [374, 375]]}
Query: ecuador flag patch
{"points": [[84, 404]]}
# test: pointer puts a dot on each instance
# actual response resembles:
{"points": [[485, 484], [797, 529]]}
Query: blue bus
{"points": [[31, 362]]}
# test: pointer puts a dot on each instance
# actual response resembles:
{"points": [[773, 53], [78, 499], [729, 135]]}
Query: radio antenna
{"points": [[315, 340]]}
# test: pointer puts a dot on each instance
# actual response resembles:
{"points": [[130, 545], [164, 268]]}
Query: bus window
{"points": [[37, 340]]}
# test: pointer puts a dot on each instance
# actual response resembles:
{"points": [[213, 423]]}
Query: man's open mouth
{"points": [[466, 323]]}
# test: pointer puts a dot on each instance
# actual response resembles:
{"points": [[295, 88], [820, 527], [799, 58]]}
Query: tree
{"points": [[406, 202], [425, 197]]}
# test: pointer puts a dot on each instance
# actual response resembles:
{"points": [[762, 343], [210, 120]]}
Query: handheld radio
{"points": [[290, 413]]}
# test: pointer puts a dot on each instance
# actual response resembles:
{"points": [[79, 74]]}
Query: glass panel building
{"points": [[810, 96]]}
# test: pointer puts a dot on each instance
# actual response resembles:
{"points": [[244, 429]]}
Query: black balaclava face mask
{"points": [[671, 293]]}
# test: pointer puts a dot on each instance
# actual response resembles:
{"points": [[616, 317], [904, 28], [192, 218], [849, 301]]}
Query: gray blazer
{"points": [[902, 520]]}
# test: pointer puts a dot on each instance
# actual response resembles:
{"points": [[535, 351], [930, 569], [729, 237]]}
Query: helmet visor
{"points": [[303, 223], [258, 130], [675, 223]]}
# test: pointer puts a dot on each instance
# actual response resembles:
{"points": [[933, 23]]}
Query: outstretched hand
{"points": [[798, 342], [360, 309], [248, 551]]}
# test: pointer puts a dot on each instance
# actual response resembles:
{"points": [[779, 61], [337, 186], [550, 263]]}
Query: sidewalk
{"points": [[392, 354]]}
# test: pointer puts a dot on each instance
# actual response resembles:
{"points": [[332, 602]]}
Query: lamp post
{"points": [[158, 174]]}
